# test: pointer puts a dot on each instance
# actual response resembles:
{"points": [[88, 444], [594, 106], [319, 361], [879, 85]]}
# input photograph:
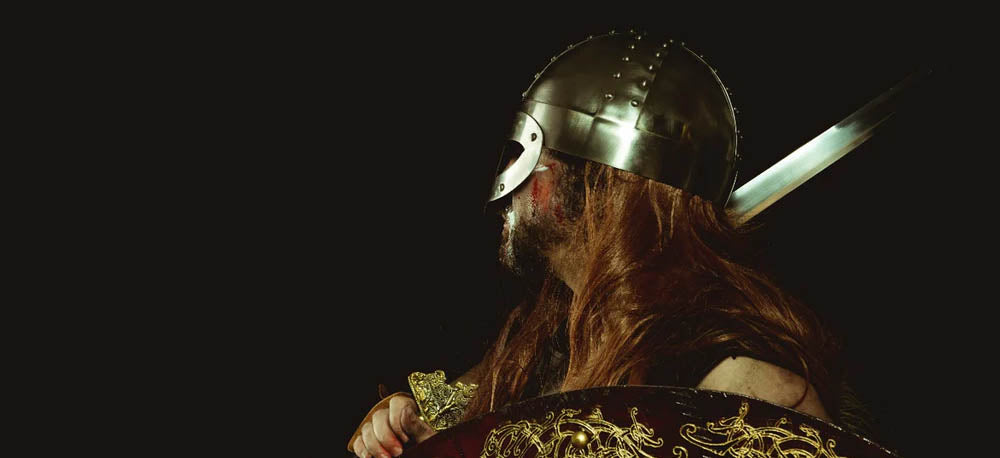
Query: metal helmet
{"points": [[653, 108]]}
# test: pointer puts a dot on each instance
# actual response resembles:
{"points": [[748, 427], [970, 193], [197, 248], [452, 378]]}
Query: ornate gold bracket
{"points": [[441, 405]]}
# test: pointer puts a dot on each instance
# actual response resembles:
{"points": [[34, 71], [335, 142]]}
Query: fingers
{"points": [[384, 433], [396, 405], [414, 426], [372, 445], [359, 448]]}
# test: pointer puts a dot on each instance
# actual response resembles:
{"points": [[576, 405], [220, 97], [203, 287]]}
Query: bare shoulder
{"points": [[763, 380]]}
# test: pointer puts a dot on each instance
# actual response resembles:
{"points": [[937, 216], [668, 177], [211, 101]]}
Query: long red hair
{"points": [[654, 258]]}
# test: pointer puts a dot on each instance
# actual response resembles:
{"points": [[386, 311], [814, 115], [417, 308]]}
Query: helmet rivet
{"points": [[534, 136], [659, 54], [626, 59], [644, 83], [665, 45], [671, 40], [537, 75], [682, 43], [617, 75], [609, 96], [638, 37], [631, 46], [590, 37], [501, 186], [524, 94], [612, 31], [635, 103], [631, 30], [553, 59], [650, 67]]}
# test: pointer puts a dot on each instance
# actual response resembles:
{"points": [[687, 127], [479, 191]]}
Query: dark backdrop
{"points": [[392, 270]]}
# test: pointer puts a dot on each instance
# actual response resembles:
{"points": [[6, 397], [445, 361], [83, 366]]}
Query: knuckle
{"points": [[384, 434], [407, 416], [399, 402], [370, 443]]}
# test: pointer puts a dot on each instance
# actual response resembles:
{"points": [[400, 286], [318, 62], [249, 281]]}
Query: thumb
{"points": [[414, 426]]}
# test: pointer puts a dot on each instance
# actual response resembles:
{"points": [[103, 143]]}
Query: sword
{"points": [[817, 154]]}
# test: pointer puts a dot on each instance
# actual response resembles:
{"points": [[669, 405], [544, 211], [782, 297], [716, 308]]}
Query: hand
{"points": [[390, 428]]}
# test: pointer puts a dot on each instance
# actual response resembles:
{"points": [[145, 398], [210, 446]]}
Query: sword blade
{"points": [[817, 154]]}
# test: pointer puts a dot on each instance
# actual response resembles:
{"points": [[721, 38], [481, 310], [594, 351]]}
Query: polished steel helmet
{"points": [[650, 107]]}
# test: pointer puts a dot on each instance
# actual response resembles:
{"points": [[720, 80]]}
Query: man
{"points": [[613, 205]]}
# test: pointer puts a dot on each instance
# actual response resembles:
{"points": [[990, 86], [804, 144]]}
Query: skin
{"points": [[537, 208]]}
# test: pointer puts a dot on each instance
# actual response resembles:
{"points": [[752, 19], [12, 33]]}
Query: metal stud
{"points": [[553, 59], [534, 136], [626, 59], [659, 54], [650, 67], [569, 47], [616, 75], [664, 45], [580, 439], [631, 30], [638, 37], [644, 83], [635, 103], [612, 32], [537, 75], [590, 37], [501, 186], [524, 94], [631, 46], [609, 96], [682, 43]]}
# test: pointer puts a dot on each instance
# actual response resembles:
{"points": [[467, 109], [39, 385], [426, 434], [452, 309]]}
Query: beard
{"points": [[527, 240], [523, 247]]}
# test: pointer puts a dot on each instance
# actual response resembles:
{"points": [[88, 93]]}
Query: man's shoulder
{"points": [[767, 381]]}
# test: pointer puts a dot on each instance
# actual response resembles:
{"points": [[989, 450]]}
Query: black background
{"points": [[376, 259]]}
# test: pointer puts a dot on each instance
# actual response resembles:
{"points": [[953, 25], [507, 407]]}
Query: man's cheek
{"points": [[541, 188]]}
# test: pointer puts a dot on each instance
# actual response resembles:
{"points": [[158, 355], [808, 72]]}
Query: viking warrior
{"points": [[614, 189]]}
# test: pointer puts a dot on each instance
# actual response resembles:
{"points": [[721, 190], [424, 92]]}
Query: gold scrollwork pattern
{"points": [[732, 437], [441, 405], [565, 436]]}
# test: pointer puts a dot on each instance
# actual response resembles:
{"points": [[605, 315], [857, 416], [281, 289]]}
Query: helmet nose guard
{"points": [[653, 108], [528, 134]]}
